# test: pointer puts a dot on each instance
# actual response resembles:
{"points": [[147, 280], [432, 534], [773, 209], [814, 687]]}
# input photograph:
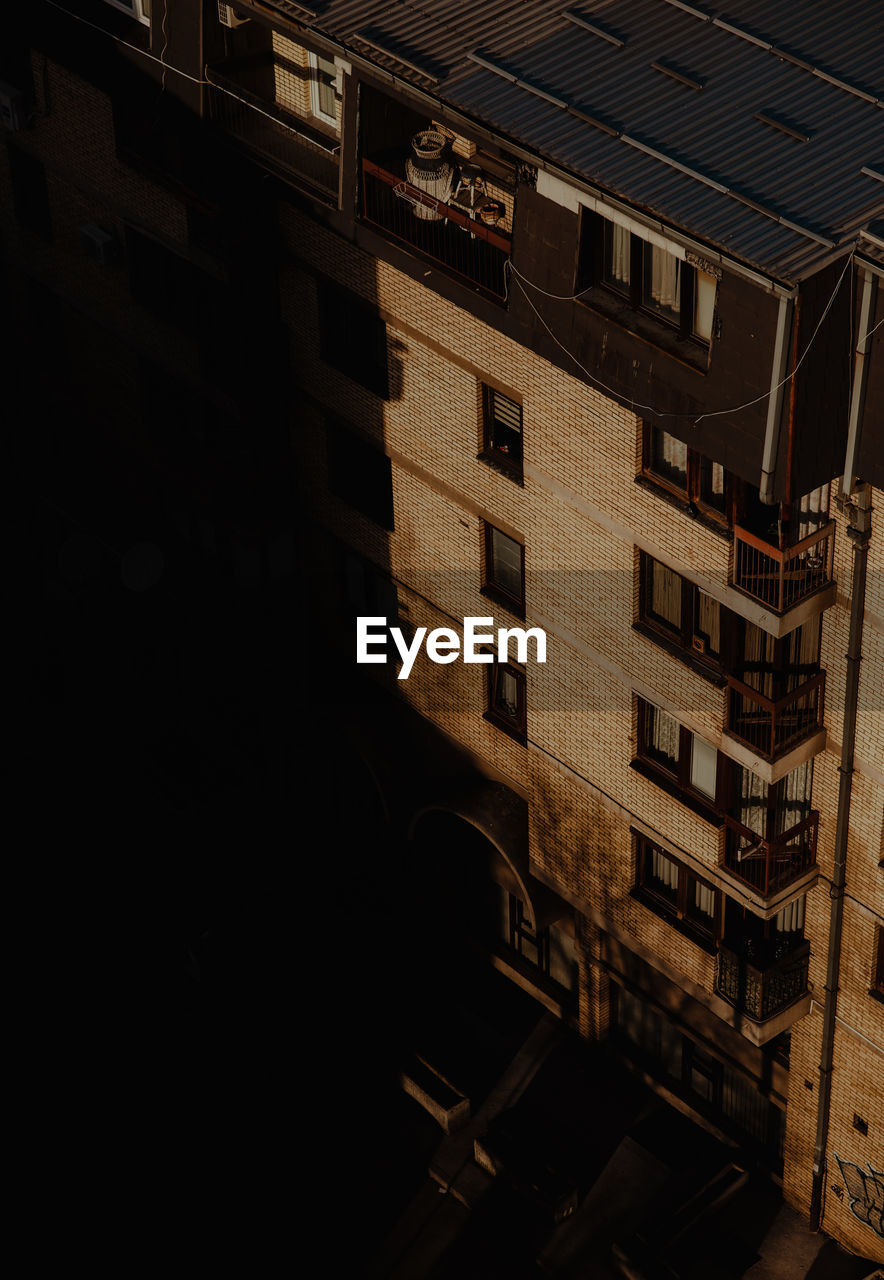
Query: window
{"points": [[30, 194], [504, 570], [671, 890], [878, 971], [501, 430], [323, 77], [353, 338], [360, 474], [676, 610], [647, 276], [531, 944], [506, 699], [667, 748], [139, 9], [696, 479]]}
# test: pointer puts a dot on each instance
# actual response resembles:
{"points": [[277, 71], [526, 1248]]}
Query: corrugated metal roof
{"points": [[698, 158]]}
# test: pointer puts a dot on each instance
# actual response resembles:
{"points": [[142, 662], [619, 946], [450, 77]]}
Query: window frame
{"points": [[676, 912], [516, 726], [491, 587], [313, 60], [680, 777], [133, 9], [341, 439], [691, 495], [364, 357], [593, 271], [490, 452], [689, 638]]}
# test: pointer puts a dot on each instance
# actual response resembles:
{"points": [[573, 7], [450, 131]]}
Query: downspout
{"points": [[774, 404], [854, 501]]}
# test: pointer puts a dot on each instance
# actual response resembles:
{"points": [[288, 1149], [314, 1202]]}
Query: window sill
{"points": [[506, 466], [681, 926], [685, 506], [518, 735], [697, 806], [506, 602], [641, 324], [708, 670]]}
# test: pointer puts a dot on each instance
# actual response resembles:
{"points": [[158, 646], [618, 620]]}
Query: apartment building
{"points": [[569, 318]]}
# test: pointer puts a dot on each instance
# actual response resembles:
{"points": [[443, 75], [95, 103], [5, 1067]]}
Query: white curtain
{"points": [[620, 243], [794, 798], [753, 802], [709, 620], [704, 899], [813, 511], [664, 869], [791, 918], [704, 761], [663, 734], [704, 303], [666, 594], [675, 452], [665, 282], [758, 656]]}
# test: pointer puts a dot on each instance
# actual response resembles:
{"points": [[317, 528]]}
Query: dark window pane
{"points": [[506, 701], [353, 339], [30, 194], [712, 485], [668, 458], [360, 474], [504, 565]]}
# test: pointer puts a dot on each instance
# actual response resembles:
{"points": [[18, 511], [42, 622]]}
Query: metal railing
{"points": [[783, 578], [451, 238], [772, 727], [769, 865], [761, 991], [280, 139]]}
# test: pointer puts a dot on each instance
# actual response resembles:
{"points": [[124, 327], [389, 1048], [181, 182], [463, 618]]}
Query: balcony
{"points": [[760, 991], [767, 866], [783, 578], [771, 727], [445, 232], [242, 104]]}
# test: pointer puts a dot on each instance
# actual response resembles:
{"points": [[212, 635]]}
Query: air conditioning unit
{"points": [[227, 16], [99, 245], [12, 107]]}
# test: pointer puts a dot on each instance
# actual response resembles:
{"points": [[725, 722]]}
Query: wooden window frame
{"points": [[134, 9], [521, 932], [313, 60], [688, 635], [680, 778], [675, 912], [691, 495], [490, 452], [490, 586], [516, 726], [593, 272]]}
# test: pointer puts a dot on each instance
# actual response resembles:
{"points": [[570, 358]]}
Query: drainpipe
{"points": [[774, 404], [854, 501]]}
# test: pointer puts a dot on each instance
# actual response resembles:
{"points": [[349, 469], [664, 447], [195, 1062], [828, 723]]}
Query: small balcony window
{"points": [[673, 891], [669, 749], [138, 9], [698, 481], [647, 277], [675, 610]]}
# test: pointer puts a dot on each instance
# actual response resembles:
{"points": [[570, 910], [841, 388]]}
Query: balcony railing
{"points": [[770, 865], [448, 236], [772, 727], [783, 578], [761, 991], [279, 138]]}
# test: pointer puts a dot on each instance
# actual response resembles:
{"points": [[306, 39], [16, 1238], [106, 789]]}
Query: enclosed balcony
{"points": [[769, 865], [782, 578], [774, 726], [249, 100], [760, 989]]}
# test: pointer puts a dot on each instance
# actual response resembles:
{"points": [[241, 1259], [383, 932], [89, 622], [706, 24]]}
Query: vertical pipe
{"points": [[859, 514]]}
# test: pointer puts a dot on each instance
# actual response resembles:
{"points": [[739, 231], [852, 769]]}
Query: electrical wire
{"points": [[659, 413]]}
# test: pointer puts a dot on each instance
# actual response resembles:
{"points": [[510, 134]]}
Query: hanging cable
{"points": [[134, 47]]}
